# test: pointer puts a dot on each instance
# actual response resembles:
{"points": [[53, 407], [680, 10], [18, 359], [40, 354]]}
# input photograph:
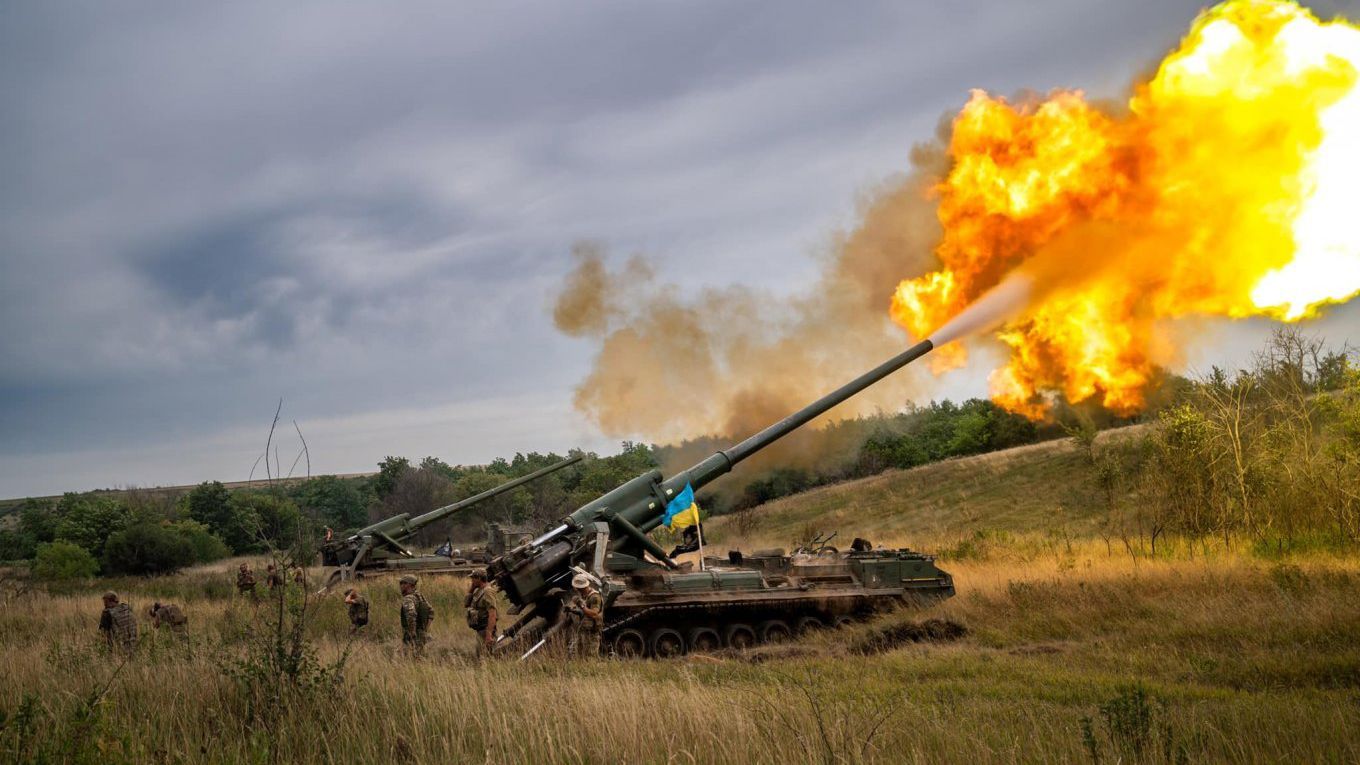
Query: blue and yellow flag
{"points": [[681, 511]]}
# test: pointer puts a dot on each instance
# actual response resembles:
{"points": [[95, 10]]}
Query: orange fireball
{"points": [[1226, 188]]}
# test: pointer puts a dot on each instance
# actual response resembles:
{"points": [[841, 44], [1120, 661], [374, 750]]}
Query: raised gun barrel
{"points": [[638, 506], [386, 535]]}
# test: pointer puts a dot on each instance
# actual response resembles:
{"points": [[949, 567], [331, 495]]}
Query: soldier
{"points": [[300, 577], [118, 624], [482, 613], [172, 615], [416, 615], [245, 580], [358, 610], [585, 612], [273, 579]]}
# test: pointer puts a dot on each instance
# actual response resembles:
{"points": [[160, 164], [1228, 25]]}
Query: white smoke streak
{"points": [[989, 311]]}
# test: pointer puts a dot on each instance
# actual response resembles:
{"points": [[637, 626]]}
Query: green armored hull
{"points": [[741, 601]]}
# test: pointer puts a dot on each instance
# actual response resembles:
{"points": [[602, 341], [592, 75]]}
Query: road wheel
{"points": [[774, 631], [739, 636], [808, 624], [630, 644], [666, 643], [842, 621], [703, 640]]}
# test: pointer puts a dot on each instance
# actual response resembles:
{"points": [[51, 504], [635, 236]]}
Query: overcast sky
{"points": [[365, 208]]}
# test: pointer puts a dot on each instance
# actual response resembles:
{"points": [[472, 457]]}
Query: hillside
{"points": [[1033, 488]]}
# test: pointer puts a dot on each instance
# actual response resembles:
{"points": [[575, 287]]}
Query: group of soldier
{"points": [[118, 625], [583, 612], [274, 579]]}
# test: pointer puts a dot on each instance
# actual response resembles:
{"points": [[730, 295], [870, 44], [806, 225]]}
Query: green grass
{"points": [[1036, 488]]}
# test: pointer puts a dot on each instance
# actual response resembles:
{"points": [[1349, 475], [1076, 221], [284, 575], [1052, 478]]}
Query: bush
{"points": [[63, 560], [146, 548], [16, 546], [265, 521], [207, 547]]}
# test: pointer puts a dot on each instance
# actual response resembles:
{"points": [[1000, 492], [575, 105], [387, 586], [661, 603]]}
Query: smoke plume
{"points": [[675, 364]]}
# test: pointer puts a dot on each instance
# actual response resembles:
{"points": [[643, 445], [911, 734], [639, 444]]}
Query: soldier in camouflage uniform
{"points": [[245, 580], [482, 613], [118, 624], [585, 614], [172, 616], [416, 615], [358, 610]]}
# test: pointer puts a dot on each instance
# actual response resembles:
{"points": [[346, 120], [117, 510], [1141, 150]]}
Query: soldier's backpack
{"points": [[424, 613]]}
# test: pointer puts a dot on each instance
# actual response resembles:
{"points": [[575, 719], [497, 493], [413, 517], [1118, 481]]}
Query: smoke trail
{"points": [[988, 312], [673, 365]]}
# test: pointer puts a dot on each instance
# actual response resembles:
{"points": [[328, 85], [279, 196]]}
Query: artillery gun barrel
{"points": [[425, 519], [722, 462], [638, 506], [357, 549]]}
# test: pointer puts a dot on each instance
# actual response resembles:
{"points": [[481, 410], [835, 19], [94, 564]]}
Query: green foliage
{"points": [[210, 504], [390, 471], [206, 545], [264, 520], [88, 520], [1136, 726], [333, 501], [38, 520], [147, 548], [61, 560], [16, 546]]}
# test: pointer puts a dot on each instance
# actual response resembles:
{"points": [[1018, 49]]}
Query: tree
{"points": [[147, 548], [334, 501], [38, 519], [15, 545], [207, 546], [264, 520], [64, 560], [390, 471], [210, 504], [88, 520]]}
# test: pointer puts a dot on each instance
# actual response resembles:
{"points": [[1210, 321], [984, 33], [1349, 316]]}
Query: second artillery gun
{"points": [[662, 608], [377, 549]]}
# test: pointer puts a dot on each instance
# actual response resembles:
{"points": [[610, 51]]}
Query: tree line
{"points": [[1214, 464]]}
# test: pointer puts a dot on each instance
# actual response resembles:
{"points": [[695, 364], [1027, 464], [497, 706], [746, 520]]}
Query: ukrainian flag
{"points": [[682, 511]]}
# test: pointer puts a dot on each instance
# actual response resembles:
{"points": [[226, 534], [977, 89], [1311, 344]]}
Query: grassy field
{"points": [[1038, 488], [1218, 657], [1073, 652]]}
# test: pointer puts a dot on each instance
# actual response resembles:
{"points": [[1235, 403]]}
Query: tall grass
{"points": [[1245, 661]]}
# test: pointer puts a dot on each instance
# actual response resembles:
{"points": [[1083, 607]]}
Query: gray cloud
{"points": [[365, 208]]}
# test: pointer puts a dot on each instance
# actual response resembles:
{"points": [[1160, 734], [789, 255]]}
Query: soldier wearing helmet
{"points": [[585, 615], [118, 624], [416, 615]]}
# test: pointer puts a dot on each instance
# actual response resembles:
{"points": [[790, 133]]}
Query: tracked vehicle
{"points": [[660, 608]]}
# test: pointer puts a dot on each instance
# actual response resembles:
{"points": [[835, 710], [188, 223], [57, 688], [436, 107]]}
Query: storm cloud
{"points": [[365, 209]]}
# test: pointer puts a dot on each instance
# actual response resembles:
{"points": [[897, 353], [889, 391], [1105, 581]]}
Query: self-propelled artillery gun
{"points": [[378, 549], [658, 607]]}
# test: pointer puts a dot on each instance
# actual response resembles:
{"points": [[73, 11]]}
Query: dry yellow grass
{"points": [[1254, 661]]}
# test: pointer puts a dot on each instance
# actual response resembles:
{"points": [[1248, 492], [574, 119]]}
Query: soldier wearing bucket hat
{"points": [[585, 614], [482, 613]]}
